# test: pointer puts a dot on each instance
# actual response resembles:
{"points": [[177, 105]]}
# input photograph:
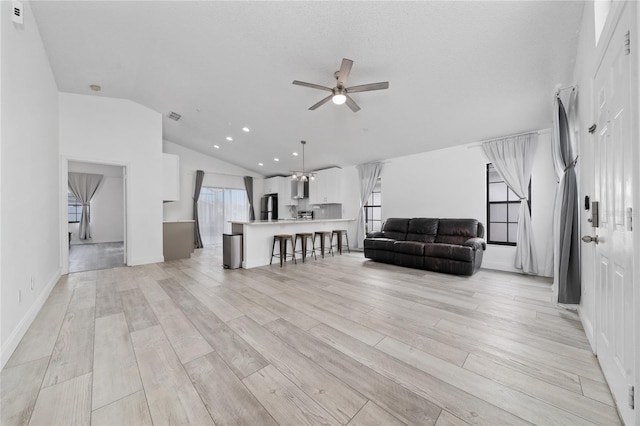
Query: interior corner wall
{"points": [[217, 173], [29, 209], [451, 183], [98, 129]]}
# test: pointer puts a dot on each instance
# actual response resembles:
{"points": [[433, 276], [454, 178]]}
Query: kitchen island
{"points": [[257, 236]]}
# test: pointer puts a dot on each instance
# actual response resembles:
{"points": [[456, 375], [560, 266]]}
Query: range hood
{"points": [[299, 189]]}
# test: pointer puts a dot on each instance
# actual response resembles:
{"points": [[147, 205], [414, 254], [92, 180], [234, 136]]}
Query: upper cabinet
{"points": [[275, 185], [326, 188], [170, 177]]}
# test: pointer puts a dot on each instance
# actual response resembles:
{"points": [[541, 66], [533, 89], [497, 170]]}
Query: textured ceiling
{"points": [[458, 71]]}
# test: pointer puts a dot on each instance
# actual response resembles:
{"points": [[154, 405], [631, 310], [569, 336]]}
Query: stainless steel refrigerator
{"points": [[269, 207]]}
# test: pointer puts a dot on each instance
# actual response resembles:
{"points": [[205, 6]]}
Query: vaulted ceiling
{"points": [[459, 71]]}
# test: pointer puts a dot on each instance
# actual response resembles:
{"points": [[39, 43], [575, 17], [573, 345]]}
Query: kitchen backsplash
{"points": [[327, 211]]}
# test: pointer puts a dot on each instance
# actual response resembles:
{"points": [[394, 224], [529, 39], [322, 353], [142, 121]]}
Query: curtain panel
{"points": [[83, 186], [248, 186], [566, 221], [196, 196], [513, 160], [368, 175]]}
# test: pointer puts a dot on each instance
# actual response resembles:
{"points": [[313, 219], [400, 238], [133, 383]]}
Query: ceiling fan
{"points": [[340, 94]]}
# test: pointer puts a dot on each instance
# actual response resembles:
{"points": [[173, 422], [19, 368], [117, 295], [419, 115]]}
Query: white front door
{"points": [[613, 190]]}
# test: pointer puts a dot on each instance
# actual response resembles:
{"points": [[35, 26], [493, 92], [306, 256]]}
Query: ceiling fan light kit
{"points": [[340, 94], [303, 176]]}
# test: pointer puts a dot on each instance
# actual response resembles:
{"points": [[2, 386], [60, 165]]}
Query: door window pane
{"points": [[497, 192], [498, 232], [513, 232], [498, 212]]}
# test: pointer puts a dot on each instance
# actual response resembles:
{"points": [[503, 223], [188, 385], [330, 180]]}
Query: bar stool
{"points": [[323, 235], [304, 236], [282, 239], [339, 233]]}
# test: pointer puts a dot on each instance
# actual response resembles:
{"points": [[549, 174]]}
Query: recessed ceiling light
{"points": [[229, 138], [295, 154], [216, 147], [246, 129], [260, 164], [95, 88], [276, 159]]}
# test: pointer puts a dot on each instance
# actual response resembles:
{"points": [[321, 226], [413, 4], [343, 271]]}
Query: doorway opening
{"points": [[97, 193]]}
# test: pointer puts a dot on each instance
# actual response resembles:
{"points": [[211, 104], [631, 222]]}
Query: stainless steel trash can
{"points": [[232, 251]]}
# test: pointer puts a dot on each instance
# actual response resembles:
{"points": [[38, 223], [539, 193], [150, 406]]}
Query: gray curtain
{"points": [[248, 186], [368, 175], [513, 160], [566, 222], [83, 186], [196, 197]]}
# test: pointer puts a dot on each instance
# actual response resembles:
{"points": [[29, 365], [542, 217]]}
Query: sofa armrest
{"points": [[476, 243], [378, 234]]}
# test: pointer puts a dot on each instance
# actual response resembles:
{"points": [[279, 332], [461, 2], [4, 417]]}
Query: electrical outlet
{"points": [[32, 283], [19, 296]]}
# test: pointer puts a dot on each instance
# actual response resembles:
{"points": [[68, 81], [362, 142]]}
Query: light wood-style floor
{"points": [[340, 340]]}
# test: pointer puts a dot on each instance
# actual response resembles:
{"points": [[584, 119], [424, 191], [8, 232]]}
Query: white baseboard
{"points": [[21, 329], [500, 266], [146, 260], [587, 325]]}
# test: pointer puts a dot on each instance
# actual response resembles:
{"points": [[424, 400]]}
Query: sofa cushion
{"points": [[396, 228], [456, 231], [423, 230], [409, 247], [449, 251], [379, 244]]}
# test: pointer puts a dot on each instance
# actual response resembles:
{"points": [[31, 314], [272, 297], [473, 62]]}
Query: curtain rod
{"points": [[574, 87], [206, 172], [536, 132]]}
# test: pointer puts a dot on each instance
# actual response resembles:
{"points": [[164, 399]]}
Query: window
{"points": [[503, 207], [216, 207], [373, 210], [74, 209]]}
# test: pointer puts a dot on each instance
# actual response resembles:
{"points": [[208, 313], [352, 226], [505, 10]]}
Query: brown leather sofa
{"points": [[454, 246]]}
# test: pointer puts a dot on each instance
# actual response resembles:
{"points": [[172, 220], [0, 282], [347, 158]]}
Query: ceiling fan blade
{"points": [[313, 86], [322, 102], [368, 87], [345, 69], [352, 104]]}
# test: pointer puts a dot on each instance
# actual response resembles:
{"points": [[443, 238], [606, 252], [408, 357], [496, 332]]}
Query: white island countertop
{"points": [[257, 235]]}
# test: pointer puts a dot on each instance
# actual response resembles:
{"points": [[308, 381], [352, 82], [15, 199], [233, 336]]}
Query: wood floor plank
{"points": [[65, 403], [84, 296], [238, 354], [130, 410], [596, 390], [366, 335], [137, 310], [223, 310], [73, 353], [151, 290], [170, 394], [185, 339], [341, 401], [372, 415], [40, 338], [286, 403], [448, 419], [107, 299], [469, 406], [389, 395], [577, 404], [246, 306], [115, 370], [279, 309], [511, 400], [228, 401], [18, 391]]}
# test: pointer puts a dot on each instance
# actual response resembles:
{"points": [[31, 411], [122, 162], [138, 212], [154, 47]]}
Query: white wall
{"points": [[29, 207], [119, 132], [451, 183], [217, 173], [107, 205]]}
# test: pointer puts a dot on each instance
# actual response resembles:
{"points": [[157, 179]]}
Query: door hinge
{"points": [[632, 397], [627, 43]]}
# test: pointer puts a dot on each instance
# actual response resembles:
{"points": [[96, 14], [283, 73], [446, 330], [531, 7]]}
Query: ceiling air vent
{"points": [[174, 116]]}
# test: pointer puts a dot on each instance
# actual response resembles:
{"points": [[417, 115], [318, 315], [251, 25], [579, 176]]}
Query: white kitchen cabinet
{"points": [[170, 177], [271, 185], [326, 188]]}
